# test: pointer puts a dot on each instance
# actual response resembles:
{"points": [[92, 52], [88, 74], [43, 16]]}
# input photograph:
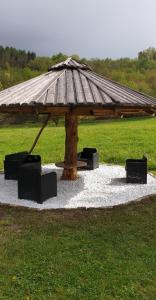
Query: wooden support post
{"points": [[70, 167]]}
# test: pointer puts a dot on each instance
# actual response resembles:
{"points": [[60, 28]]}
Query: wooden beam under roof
{"points": [[80, 110]]}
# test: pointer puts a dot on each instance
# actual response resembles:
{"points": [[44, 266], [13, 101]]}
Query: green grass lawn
{"points": [[102, 254], [79, 254], [116, 140]]}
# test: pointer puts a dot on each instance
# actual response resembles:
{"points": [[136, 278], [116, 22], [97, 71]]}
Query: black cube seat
{"points": [[36, 185], [32, 159], [90, 156], [13, 162], [136, 170]]}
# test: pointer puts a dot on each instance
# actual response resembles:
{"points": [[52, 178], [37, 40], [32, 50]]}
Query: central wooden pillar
{"points": [[70, 159]]}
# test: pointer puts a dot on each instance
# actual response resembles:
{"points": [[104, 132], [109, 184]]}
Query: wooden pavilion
{"points": [[72, 89]]}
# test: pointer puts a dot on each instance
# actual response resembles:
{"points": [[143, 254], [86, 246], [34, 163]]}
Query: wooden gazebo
{"points": [[72, 89]]}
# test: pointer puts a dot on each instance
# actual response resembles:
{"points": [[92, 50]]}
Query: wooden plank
{"points": [[87, 90], [80, 97], [117, 92], [96, 94], [51, 95], [26, 92], [106, 98], [71, 95], [61, 89]]}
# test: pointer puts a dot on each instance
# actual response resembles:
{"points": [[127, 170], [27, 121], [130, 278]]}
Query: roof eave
{"points": [[78, 109]]}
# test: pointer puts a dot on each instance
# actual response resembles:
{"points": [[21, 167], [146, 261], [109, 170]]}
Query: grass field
{"points": [[83, 254], [104, 254], [115, 140]]}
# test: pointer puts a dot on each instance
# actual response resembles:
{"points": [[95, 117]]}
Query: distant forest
{"points": [[140, 73]]}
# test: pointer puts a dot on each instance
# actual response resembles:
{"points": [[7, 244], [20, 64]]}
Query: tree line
{"points": [[15, 58], [139, 73]]}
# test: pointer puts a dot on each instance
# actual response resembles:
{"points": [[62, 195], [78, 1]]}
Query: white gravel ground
{"points": [[102, 187]]}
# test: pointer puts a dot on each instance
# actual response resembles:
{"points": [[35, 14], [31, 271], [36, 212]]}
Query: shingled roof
{"points": [[72, 84]]}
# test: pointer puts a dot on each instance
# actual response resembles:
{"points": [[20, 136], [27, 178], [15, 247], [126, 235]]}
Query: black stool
{"points": [[36, 185], [136, 170], [90, 156]]}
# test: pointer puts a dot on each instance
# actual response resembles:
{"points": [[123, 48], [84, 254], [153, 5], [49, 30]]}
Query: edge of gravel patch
{"points": [[122, 205]]}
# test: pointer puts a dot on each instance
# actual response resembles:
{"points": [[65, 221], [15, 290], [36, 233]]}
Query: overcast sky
{"points": [[89, 28]]}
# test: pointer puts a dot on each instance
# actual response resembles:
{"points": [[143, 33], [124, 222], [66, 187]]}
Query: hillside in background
{"points": [[140, 73]]}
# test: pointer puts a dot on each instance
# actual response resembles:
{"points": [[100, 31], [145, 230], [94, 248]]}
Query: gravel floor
{"points": [[102, 187]]}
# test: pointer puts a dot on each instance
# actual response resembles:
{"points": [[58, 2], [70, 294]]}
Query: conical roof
{"points": [[73, 84]]}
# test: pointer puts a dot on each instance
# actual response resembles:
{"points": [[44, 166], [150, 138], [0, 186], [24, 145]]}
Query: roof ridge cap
{"points": [[69, 63]]}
